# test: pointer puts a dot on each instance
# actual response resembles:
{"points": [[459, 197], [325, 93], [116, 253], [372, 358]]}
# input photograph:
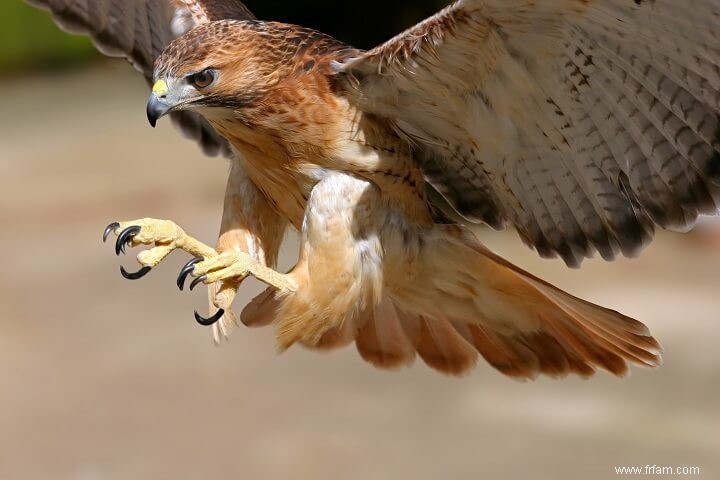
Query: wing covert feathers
{"points": [[581, 124]]}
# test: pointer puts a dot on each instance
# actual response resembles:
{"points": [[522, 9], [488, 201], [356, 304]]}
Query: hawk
{"points": [[582, 124]]}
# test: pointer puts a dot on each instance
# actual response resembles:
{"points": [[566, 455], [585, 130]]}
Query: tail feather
{"points": [[553, 358], [342, 335], [469, 301], [441, 347], [261, 310], [621, 334], [635, 348], [511, 358], [588, 350], [383, 341], [522, 325]]}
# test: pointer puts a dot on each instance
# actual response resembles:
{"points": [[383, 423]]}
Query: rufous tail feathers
{"points": [[470, 301]]}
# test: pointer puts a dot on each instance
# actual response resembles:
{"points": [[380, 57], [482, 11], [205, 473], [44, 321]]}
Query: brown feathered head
{"points": [[223, 64]]}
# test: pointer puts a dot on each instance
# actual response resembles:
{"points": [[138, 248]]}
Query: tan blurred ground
{"points": [[101, 378]]}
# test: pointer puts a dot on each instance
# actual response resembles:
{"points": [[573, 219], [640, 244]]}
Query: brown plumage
{"points": [[582, 124]]}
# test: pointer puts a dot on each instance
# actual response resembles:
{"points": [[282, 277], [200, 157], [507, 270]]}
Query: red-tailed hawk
{"points": [[583, 124]]}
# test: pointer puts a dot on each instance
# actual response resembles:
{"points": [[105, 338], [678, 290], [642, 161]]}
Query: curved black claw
{"points": [[195, 282], [209, 321], [109, 229], [125, 237], [134, 276], [187, 268]]}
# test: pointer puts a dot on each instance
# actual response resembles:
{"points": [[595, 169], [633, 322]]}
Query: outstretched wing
{"points": [[139, 30], [582, 123]]}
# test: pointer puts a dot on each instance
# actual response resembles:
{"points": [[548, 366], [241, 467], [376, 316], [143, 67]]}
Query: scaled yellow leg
{"points": [[167, 236]]}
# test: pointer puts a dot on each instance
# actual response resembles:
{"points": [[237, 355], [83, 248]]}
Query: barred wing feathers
{"points": [[139, 30], [582, 123]]}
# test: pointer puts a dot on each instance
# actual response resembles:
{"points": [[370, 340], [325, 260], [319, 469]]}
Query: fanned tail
{"points": [[522, 325], [470, 301]]}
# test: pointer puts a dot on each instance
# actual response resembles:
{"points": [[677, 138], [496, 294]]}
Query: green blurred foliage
{"points": [[30, 40]]}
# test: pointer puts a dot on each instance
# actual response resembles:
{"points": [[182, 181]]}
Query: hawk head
{"points": [[226, 64]]}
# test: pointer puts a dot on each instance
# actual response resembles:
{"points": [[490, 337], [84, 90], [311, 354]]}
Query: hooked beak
{"points": [[157, 105]]}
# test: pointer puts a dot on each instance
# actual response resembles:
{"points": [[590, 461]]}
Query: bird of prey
{"points": [[582, 124]]}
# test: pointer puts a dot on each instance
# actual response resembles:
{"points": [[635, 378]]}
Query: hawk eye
{"points": [[202, 79]]}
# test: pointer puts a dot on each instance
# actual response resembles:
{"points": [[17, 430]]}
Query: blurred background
{"points": [[101, 378]]}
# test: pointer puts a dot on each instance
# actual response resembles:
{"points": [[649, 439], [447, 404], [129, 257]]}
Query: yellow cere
{"points": [[160, 88]]}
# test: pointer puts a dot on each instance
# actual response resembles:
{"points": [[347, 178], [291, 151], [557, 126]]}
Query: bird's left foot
{"points": [[208, 266], [164, 235], [228, 270], [232, 267]]}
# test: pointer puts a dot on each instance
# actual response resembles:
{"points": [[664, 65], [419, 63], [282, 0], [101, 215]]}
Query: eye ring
{"points": [[202, 79]]}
